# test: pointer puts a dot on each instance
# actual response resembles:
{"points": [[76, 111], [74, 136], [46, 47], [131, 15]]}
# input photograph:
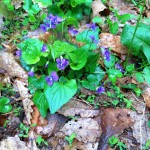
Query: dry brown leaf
{"points": [[76, 107], [112, 41], [123, 6], [97, 7], [8, 63], [141, 131], [27, 103], [146, 94], [55, 122], [113, 121], [17, 3], [86, 129], [13, 143]]}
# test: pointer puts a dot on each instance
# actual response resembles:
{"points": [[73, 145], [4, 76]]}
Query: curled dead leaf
{"points": [[97, 7], [7, 62], [112, 41]]}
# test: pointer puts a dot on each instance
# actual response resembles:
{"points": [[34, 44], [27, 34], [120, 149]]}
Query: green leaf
{"points": [[44, 2], [59, 48], [27, 5], [41, 102], [36, 83], [141, 41], [78, 59], [97, 19], [92, 63], [113, 27], [130, 68], [31, 50], [60, 93], [110, 63], [125, 17], [85, 35], [93, 79], [139, 77], [4, 106]]}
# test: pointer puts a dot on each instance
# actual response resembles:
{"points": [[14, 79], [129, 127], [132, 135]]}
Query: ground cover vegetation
{"points": [[66, 60]]}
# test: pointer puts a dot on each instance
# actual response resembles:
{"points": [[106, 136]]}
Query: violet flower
{"points": [[93, 39], [44, 48], [92, 26], [19, 53], [62, 63], [31, 73], [43, 27], [119, 67], [51, 22], [100, 90], [52, 78], [73, 31], [106, 53]]}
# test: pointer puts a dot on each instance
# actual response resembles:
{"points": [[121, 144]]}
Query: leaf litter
{"points": [[91, 134]]}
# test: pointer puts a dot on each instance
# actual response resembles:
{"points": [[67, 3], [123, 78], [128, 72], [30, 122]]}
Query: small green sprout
{"points": [[70, 138]]}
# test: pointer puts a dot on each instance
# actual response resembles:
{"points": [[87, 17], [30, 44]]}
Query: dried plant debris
{"points": [[97, 7], [75, 107], [55, 122], [86, 129], [113, 121], [13, 143], [141, 131], [112, 41], [8, 63]]}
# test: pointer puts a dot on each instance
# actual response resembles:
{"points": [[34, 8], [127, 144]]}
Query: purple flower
{"points": [[62, 63], [119, 67], [92, 26], [43, 27], [19, 53], [100, 90], [73, 31], [31, 73], [106, 53], [52, 78], [51, 22], [44, 48], [93, 39]]}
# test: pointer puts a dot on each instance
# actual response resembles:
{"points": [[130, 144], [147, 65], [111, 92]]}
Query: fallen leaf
{"points": [[86, 129], [8, 62], [146, 95], [17, 3], [112, 41], [55, 122], [75, 107], [27, 103], [13, 143], [123, 7], [97, 7], [141, 131], [113, 121]]}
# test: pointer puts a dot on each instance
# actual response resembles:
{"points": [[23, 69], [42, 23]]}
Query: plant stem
{"points": [[129, 51]]}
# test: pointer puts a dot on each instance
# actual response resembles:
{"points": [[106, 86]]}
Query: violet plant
{"points": [[57, 68]]}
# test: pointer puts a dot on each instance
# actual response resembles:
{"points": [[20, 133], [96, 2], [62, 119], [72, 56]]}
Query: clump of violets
{"points": [[19, 53], [92, 26], [50, 22], [93, 39], [44, 48], [106, 53], [100, 90], [31, 73], [72, 31], [119, 67], [62, 63], [53, 77]]}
